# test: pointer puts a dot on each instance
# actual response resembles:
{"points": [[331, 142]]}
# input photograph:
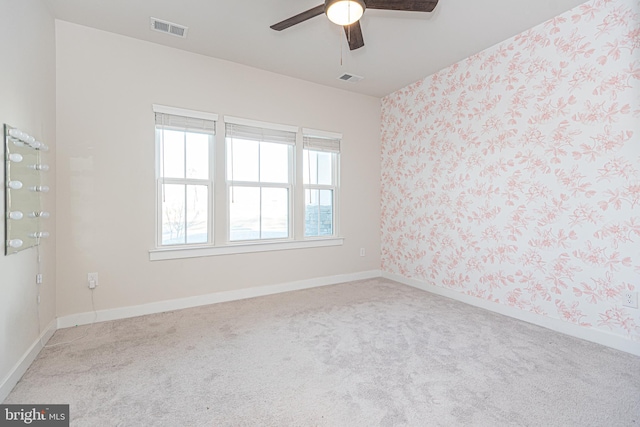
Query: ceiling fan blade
{"points": [[301, 17], [408, 5], [354, 35]]}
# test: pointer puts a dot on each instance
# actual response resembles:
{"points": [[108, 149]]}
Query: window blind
{"points": [[253, 133], [185, 123], [331, 145]]}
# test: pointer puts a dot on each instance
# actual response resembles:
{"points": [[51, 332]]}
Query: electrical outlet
{"points": [[39, 278], [361, 251], [630, 299], [92, 278]]}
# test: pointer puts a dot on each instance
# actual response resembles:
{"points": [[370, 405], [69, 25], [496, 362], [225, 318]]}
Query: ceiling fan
{"points": [[348, 13]]}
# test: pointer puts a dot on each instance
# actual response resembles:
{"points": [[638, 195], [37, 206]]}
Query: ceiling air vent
{"points": [[350, 77], [169, 28]]}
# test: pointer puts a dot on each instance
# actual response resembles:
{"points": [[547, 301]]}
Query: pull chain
{"points": [[340, 41]]}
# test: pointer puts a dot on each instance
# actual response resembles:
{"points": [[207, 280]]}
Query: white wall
{"points": [[106, 85], [27, 101]]}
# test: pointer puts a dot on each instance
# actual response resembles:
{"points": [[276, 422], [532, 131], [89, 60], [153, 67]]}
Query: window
{"points": [[259, 181], [184, 176], [259, 187], [320, 183]]}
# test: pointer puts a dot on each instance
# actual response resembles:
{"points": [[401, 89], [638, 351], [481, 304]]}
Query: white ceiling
{"points": [[400, 47]]}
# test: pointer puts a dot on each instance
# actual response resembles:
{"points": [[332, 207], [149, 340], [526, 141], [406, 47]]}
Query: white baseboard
{"points": [[589, 334], [14, 375], [178, 304]]}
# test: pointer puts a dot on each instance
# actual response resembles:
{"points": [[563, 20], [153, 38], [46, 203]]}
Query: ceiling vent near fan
{"points": [[169, 28], [347, 77]]}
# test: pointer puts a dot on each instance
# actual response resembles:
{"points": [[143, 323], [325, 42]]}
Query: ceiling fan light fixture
{"points": [[344, 12]]}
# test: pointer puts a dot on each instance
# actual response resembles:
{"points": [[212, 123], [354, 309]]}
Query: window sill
{"points": [[242, 248]]}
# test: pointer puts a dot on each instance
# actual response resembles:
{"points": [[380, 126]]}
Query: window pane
{"points": [[318, 213], [310, 167], [244, 213], [173, 211], [325, 226], [274, 162], [325, 176], [318, 167], [198, 155], [275, 213], [312, 212], [173, 156], [242, 160], [197, 213]]}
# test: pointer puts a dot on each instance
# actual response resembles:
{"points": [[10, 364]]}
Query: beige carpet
{"points": [[364, 353]]}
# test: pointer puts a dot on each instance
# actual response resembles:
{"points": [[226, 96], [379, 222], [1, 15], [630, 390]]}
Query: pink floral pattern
{"points": [[514, 176]]}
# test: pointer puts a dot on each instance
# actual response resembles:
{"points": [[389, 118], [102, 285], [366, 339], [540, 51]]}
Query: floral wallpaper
{"points": [[514, 175]]}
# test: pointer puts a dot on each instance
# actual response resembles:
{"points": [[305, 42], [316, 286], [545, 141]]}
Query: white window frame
{"points": [[258, 184], [219, 223], [161, 180], [335, 178]]}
